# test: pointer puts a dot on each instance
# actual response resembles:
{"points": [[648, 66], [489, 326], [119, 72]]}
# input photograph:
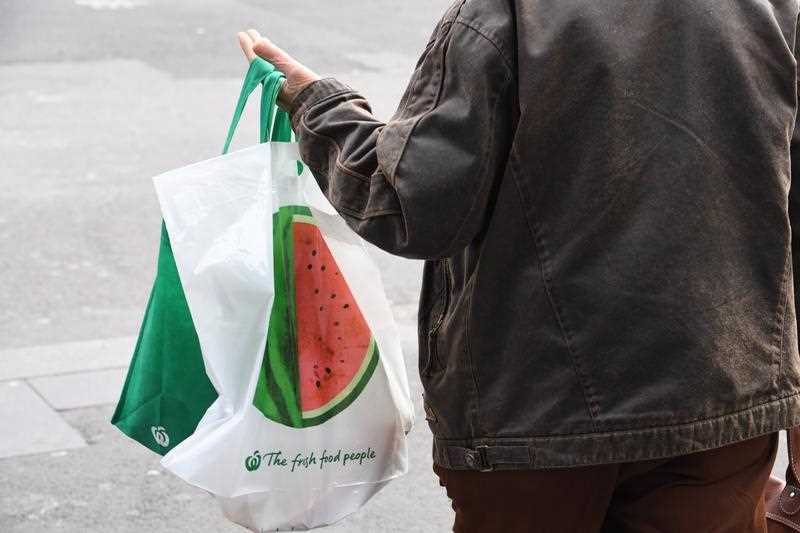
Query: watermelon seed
{"points": [[316, 291], [328, 370], [346, 306], [333, 295], [315, 366], [309, 266], [341, 360], [313, 252], [318, 384], [319, 339], [323, 267], [335, 323], [338, 338], [320, 308]]}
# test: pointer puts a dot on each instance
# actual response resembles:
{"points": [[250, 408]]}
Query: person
{"points": [[600, 192]]}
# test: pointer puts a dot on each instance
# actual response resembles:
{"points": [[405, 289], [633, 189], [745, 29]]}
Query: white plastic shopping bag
{"points": [[297, 337]]}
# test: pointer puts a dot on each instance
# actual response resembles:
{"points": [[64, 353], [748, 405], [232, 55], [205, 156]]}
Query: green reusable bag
{"points": [[167, 391]]}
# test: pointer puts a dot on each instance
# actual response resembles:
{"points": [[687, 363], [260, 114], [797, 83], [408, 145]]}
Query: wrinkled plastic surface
{"points": [[167, 391], [219, 214]]}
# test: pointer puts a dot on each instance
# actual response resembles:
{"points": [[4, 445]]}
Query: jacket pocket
{"points": [[434, 304]]}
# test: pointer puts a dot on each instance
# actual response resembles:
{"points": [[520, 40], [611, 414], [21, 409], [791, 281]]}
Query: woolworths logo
{"points": [[160, 434], [304, 459], [253, 462]]}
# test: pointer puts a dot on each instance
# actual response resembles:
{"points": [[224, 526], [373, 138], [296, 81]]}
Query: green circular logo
{"points": [[253, 462], [160, 435]]}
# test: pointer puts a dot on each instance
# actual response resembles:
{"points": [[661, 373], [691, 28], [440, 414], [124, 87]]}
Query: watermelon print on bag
{"points": [[320, 351]]}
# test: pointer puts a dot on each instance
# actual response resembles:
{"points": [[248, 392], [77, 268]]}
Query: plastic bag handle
{"points": [[274, 123]]}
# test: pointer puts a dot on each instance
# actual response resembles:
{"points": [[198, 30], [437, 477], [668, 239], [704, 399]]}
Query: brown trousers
{"points": [[719, 490]]}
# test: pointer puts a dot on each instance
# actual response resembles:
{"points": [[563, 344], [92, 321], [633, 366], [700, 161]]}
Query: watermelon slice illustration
{"points": [[320, 351]]}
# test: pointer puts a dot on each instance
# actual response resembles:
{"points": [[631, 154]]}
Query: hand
{"points": [[298, 76]]}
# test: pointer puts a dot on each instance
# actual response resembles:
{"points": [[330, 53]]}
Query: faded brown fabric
{"points": [[714, 491], [602, 195]]}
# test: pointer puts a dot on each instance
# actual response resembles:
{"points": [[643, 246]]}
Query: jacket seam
{"points": [[590, 404], [619, 457], [437, 97], [367, 214], [485, 163], [508, 64], [350, 172], [447, 26], [304, 106], [363, 214], [670, 420], [332, 141], [428, 49], [782, 310], [436, 94], [467, 342], [338, 163], [657, 427], [391, 176], [468, 350]]}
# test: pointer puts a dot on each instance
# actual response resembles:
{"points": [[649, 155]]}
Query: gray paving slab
{"points": [[81, 389], [66, 357], [29, 425], [116, 485]]}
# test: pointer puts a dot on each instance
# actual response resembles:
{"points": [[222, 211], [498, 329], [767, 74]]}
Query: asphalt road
{"points": [[96, 97]]}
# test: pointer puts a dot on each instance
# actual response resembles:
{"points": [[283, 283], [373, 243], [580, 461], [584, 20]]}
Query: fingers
{"points": [[266, 49], [246, 42], [253, 44], [297, 75]]}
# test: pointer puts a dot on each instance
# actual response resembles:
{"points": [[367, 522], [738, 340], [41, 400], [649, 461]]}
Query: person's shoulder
{"points": [[494, 19], [493, 16], [497, 12]]}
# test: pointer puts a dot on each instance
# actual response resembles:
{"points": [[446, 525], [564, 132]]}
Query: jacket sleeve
{"points": [[417, 186]]}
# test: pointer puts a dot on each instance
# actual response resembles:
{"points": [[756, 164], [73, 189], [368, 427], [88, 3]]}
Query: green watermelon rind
{"points": [[277, 393]]}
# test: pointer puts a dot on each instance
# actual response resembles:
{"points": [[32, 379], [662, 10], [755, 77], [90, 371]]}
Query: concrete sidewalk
{"points": [[64, 467]]}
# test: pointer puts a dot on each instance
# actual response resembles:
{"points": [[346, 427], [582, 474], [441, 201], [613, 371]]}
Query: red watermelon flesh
{"points": [[334, 341]]}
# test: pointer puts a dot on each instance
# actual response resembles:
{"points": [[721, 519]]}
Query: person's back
{"points": [[646, 200], [601, 192]]}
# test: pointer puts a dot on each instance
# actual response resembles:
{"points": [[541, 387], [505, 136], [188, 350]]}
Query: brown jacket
{"points": [[601, 194]]}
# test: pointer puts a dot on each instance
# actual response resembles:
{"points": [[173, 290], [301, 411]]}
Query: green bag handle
{"points": [[274, 123]]}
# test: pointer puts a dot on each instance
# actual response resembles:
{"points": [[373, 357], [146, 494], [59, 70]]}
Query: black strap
{"points": [[488, 457], [793, 445]]}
